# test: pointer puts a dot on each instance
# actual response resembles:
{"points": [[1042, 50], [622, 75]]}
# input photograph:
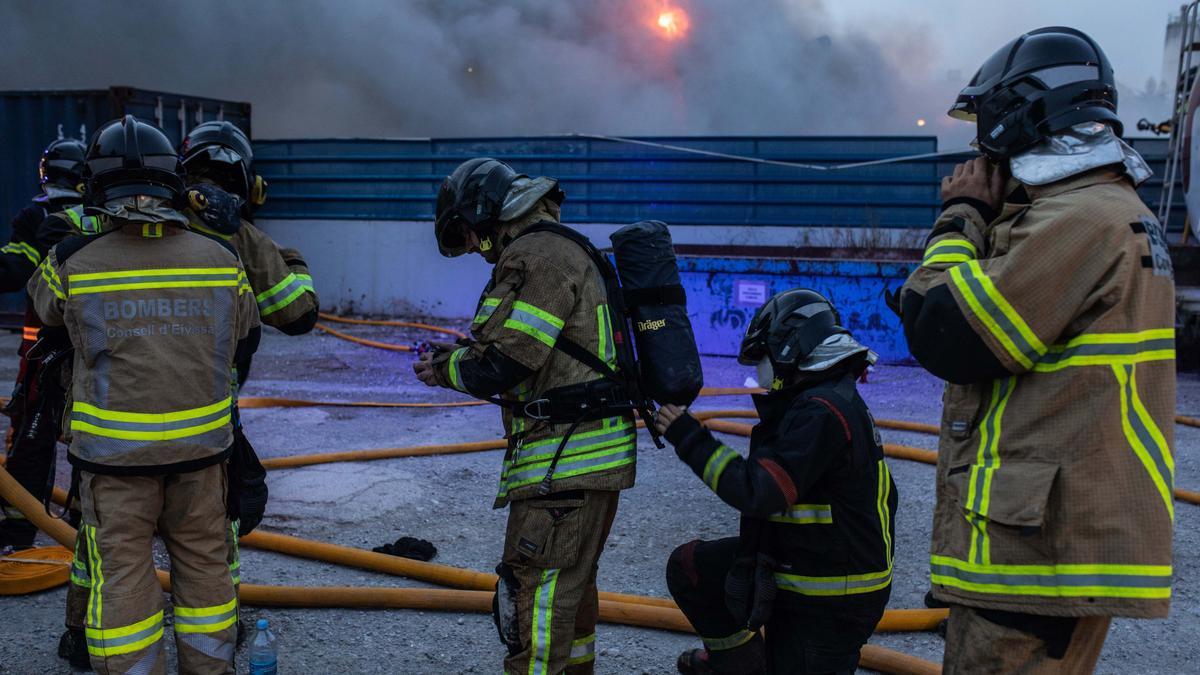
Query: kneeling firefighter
{"points": [[813, 560], [157, 315], [551, 346]]}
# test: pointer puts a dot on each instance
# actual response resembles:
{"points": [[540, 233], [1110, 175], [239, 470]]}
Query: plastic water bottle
{"points": [[264, 654]]}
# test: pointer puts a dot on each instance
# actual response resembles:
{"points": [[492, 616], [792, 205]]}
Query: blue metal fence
{"points": [[614, 182]]}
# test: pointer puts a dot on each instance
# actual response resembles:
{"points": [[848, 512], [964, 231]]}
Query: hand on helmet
{"points": [[977, 179]]}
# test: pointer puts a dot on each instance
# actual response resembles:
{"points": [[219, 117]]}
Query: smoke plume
{"points": [[481, 67]]}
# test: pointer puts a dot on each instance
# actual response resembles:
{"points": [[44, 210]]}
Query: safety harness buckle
{"points": [[542, 408]]}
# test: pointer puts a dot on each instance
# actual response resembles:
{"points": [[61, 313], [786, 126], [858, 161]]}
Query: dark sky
{"points": [[488, 67]]}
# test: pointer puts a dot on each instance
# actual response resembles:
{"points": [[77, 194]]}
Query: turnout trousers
{"points": [[30, 455], [801, 638], [976, 643], [552, 549], [123, 611]]}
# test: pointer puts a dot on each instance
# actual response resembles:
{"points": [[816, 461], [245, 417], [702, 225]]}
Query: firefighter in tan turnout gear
{"points": [[542, 334], [1047, 302], [157, 315]]}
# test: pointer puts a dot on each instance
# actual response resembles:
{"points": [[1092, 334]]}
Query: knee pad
{"points": [[504, 609], [681, 567]]}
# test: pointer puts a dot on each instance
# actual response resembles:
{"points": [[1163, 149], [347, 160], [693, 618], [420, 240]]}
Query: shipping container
{"points": [[30, 120]]}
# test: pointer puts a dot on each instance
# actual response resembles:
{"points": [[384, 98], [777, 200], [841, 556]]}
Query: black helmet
{"points": [[479, 195], [471, 198], [62, 163], [129, 157], [788, 328], [1035, 86], [222, 152]]}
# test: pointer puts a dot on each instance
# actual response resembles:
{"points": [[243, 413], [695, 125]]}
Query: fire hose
{"points": [[627, 613]]}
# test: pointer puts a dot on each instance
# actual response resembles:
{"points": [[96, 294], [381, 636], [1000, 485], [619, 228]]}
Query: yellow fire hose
{"points": [[643, 615]]}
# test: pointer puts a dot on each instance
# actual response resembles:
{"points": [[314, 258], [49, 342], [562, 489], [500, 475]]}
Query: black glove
{"points": [[681, 429], [750, 590], [247, 499], [219, 210], [409, 547]]}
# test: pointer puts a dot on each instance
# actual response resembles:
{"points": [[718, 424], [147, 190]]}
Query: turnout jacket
{"points": [[1054, 323], [26, 248], [544, 287], [157, 315], [816, 475]]}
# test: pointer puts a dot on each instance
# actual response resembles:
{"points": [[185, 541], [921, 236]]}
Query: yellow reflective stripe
{"points": [[721, 644], [995, 312], [159, 272], [125, 640], [805, 514], [541, 630], [486, 309], [205, 619], [987, 462], [539, 313], [169, 435], [453, 368], [1133, 422], [884, 490], [152, 418], [95, 599], [852, 584], [949, 251], [152, 230], [75, 215], [1108, 349], [206, 611], [583, 650], [52, 280], [1063, 580], [720, 458], [534, 322], [21, 248]]}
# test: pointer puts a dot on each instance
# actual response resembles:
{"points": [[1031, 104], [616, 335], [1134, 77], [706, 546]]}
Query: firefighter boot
{"points": [[747, 659], [72, 646]]}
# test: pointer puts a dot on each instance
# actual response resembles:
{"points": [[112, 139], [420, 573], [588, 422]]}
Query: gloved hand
{"points": [[977, 183], [676, 424], [217, 209], [247, 499], [750, 590]]}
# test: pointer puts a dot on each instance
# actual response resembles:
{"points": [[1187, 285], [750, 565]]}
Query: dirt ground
{"points": [[447, 500]]}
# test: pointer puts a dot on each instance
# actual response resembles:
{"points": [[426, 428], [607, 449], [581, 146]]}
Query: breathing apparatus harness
{"points": [[618, 391]]}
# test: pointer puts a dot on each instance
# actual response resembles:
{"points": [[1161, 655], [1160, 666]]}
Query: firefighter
{"points": [[1046, 300], [542, 340], [30, 449], [157, 316], [219, 153], [813, 559]]}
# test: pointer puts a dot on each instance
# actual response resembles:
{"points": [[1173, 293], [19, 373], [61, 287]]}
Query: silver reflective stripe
{"points": [[486, 310], [88, 446], [1053, 580], [98, 644], [1029, 351], [536, 322], [133, 278], [583, 650], [1126, 349], [79, 416], [145, 665], [200, 622], [208, 645], [720, 458], [293, 287], [573, 466], [590, 441], [833, 585], [542, 627], [805, 514]]}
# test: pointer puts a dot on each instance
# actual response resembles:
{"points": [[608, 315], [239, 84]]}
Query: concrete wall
{"points": [[393, 267]]}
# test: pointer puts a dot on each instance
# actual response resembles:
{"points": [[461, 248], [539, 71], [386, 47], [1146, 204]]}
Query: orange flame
{"points": [[672, 23]]}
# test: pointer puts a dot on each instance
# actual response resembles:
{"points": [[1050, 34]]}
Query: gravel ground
{"points": [[447, 501]]}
